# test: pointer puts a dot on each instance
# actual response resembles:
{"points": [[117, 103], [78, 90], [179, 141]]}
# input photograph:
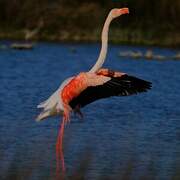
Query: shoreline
{"points": [[117, 37]]}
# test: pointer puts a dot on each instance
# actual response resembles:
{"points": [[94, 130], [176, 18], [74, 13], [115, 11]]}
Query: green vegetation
{"points": [[149, 22]]}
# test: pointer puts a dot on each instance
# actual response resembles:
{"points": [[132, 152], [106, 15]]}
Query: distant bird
{"points": [[29, 34], [125, 53], [136, 54], [131, 54], [159, 57], [149, 54], [86, 87], [177, 56], [22, 46]]}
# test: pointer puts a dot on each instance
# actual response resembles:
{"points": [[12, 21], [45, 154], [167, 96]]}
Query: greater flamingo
{"points": [[86, 87]]}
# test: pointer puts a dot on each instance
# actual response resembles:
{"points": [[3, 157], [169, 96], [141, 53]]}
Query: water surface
{"points": [[137, 135]]}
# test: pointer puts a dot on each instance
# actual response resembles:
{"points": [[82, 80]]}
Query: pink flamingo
{"points": [[86, 87]]}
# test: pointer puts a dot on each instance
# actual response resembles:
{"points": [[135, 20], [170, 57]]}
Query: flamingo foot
{"points": [[78, 111]]}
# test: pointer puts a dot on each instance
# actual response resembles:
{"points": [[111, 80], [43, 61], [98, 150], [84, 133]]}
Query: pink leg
{"points": [[59, 144], [59, 151]]}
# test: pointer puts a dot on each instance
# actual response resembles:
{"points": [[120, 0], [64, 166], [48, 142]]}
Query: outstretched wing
{"points": [[122, 85]]}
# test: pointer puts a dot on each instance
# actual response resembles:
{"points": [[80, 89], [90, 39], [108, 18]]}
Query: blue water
{"points": [[137, 135]]}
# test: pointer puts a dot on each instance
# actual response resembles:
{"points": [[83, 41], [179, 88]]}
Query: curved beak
{"points": [[124, 10]]}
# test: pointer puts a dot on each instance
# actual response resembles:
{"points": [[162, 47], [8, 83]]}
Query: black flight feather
{"points": [[117, 86]]}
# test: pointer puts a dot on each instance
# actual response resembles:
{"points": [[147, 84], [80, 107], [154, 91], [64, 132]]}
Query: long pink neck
{"points": [[104, 46]]}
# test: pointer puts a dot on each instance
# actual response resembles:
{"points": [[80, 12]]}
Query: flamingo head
{"points": [[118, 12]]}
